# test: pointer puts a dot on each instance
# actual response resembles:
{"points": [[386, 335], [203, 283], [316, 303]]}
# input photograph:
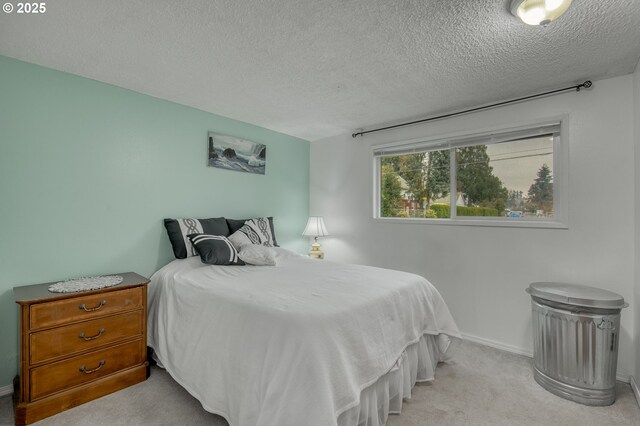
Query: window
{"points": [[506, 178]]}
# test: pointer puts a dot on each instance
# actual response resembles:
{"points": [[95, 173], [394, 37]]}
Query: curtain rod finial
{"points": [[357, 133], [587, 85]]}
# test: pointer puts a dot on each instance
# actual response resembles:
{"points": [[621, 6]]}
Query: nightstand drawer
{"points": [[71, 372], [70, 339], [84, 307]]}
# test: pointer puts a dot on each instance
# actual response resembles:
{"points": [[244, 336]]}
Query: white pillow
{"points": [[253, 254]]}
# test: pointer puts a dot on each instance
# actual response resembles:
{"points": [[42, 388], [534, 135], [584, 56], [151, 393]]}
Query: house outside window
{"points": [[514, 177]]}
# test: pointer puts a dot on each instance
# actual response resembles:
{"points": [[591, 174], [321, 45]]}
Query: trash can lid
{"points": [[577, 295]]}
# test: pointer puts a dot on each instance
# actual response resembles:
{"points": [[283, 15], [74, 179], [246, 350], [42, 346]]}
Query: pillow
{"points": [[254, 231], [215, 249], [179, 229], [235, 224], [257, 255]]}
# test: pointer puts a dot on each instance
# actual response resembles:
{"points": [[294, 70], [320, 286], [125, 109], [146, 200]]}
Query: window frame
{"points": [[560, 176]]}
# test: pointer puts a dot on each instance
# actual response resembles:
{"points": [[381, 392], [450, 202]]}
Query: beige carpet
{"points": [[483, 386]]}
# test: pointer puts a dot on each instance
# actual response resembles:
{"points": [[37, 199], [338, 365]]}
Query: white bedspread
{"points": [[292, 344]]}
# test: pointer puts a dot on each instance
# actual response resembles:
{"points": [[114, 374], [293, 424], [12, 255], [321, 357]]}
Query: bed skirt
{"points": [[416, 364]]}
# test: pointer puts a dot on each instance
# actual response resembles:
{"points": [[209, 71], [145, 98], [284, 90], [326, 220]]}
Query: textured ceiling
{"points": [[316, 68]]}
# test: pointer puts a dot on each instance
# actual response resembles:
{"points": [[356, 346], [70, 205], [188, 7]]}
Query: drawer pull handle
{"points": [[100, 333], [84, 307], [93, 370]]}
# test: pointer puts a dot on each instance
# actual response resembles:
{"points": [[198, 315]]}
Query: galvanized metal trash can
{"points": [[575, 341]]}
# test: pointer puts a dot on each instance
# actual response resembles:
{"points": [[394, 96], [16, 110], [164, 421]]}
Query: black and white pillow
{"points": [[254, 231], [179, 229], [215, 249], [235, 224]]}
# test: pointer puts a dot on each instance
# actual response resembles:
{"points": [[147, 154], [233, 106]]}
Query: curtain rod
{"points": [[587, 84]]}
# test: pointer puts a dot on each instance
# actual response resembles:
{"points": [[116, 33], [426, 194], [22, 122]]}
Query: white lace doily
{"points": [[85, 283]]}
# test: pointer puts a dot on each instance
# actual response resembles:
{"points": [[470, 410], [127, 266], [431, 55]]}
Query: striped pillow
{"points": [[179, 229], [215, 249]]}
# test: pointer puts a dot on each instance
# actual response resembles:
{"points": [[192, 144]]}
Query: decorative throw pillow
{"points": [[257, 255], [215, 249], [254, 231], [235, 224], [179, 229]]}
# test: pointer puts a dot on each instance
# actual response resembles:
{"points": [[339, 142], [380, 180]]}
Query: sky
{"points": [[517, 163]]}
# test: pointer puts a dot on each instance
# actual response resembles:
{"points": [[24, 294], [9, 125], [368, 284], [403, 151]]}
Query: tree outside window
{"points": [[510, 178]]}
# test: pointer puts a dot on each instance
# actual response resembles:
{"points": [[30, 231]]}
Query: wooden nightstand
{"points": [[76, 347]]}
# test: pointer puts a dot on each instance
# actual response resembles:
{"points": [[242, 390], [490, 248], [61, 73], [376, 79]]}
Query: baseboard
{"points": [[634, 388], [622, 377], [497, 345], [6, 390]]}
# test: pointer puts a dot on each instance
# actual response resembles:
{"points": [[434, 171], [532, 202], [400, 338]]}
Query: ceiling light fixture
{"points": [[539, 12]]}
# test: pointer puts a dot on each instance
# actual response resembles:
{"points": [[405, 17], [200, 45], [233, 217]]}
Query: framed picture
{"points": [[228, 152]]}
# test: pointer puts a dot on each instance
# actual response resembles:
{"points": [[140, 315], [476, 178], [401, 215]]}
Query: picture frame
{"points": [[232, 153]]}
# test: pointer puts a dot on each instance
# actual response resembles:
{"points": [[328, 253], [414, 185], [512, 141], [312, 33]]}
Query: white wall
{"points": [[482, 272], [636, 305]]}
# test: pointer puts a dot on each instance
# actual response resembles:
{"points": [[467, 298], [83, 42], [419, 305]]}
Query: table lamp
{"points": [[315, 228]]}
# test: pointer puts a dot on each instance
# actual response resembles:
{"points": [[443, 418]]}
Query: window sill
{"points": [[502, 223]]}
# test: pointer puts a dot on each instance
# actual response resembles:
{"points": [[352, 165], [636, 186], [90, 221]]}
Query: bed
{"points": [[305, 342]]}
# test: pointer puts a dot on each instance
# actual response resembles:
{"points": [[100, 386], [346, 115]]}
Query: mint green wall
{"points": [[89, 170]]}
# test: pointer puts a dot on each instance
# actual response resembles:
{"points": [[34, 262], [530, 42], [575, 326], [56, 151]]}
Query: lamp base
{"points": [[315, 251]]}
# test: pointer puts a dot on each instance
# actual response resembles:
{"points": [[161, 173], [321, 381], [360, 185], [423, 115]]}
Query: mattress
{"points": [[298, 343]]}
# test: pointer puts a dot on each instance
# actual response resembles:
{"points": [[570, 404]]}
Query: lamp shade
{"points": [[315, 227], [539, 12]]}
